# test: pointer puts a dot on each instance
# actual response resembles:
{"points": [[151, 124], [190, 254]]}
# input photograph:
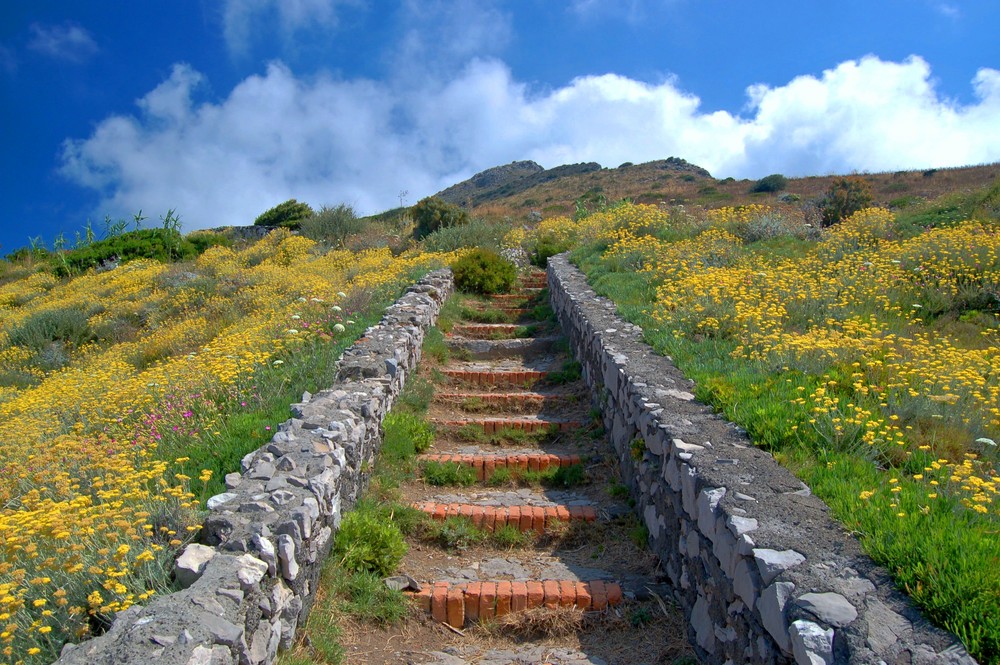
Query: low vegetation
{"points": [[864, 356]]}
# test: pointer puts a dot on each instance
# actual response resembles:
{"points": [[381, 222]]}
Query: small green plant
{"points": [[366, 542], [639, 535], [637, 448], [406, 434], [456, 533], [617, 490], [571, 371], [640, 616], [485, 272], [566, 476], [501, 477], [435, 346], [508, 537], [289, 215], [449, 473]]}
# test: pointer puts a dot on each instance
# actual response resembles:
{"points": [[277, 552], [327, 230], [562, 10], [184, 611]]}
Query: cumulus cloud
{"points": [[68, 42], [242, 19], [327, 140]]}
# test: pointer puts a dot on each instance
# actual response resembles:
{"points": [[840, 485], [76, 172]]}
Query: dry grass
{"points": [[537, 623]]}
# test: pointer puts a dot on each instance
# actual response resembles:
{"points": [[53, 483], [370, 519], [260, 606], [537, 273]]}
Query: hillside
{"points": [[516, 189]]}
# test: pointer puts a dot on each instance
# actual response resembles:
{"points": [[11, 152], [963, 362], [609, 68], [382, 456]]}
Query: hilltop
{"points": [[518, 188]]}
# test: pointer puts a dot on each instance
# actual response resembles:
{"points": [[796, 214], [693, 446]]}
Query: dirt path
{"points": [[573, 581]]}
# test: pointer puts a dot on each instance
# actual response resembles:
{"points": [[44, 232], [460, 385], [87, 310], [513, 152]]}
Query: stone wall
{"points": [[760, 568], [249, 584]]}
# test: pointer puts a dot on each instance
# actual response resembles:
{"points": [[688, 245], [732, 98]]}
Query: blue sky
{"points": [[222, 109]]}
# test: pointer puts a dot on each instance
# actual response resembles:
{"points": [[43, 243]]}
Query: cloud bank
{"points": [[327, 140]]}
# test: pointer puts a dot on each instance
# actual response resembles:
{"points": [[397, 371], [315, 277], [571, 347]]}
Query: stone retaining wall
{"points": [[250, 582], [760, 568]]}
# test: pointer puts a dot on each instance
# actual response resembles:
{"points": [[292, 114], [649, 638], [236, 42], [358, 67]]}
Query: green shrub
{"points": [[432, 213], [546, 247], [406, 435], [476, 233], [483, 271], [332, 225], [769, 184], [160, 244], [845, 197], [202, 240], [289, 215], [367, 542], [68, 325]]}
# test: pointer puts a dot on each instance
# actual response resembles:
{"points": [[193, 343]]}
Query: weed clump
{"points": [[368, 543]]}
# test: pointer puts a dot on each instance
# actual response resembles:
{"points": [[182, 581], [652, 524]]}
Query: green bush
{"points": [[769, 184], [289, 215], [332, 225], [202, 240], [546, 247], [68, 325], [407, 433], [432, 213], [366, 542], [485, 272], [160, 244], [845, 197], [476, 233]]}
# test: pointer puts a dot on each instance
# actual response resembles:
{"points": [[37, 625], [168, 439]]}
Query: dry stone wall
{"points": [[762, 571], [250, 582]]}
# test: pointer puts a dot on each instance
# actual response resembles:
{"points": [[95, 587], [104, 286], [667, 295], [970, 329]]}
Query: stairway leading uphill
{"points": [[562, 574]]}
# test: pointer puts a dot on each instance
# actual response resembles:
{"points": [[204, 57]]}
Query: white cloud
{"points": [[327, 140], [68, 42], [242, 20]]}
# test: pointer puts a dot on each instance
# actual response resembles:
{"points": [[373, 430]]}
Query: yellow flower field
{"points": [[92, 513]]}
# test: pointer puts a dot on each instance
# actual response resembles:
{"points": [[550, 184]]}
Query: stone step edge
{"points": [[486, 465], [494, 425], [457, 604], [524, 517], [495, 377]]}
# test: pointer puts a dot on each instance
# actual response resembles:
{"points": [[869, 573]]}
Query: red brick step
{"points": [[495, 377], [486, 465], [493, 425], [523, 517], [458, 604], [485, 330]]}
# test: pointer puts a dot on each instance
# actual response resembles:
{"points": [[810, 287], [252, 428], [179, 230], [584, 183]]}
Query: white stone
{"points": [[708, 502], [251, 570], [191, 563], [286, 554], [772, 612], [744, 584], [701, 621], [267, 553], [672, 475], [689, 478], [772, 563], [811, 644], [217, 501], [652, 521], [681, 446], [831, 608], [740, 525]]}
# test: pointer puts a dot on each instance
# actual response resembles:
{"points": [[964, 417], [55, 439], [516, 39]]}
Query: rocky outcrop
{"points": [[763, 572], [250, 582]]}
